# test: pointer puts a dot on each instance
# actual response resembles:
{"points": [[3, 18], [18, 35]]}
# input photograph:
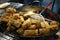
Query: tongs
{"points": [[40, 17]]}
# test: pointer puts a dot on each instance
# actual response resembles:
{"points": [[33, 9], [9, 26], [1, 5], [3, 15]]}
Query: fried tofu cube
{"points": [[20, 31], [30, 32], [26, 24], [32, 27], [53, 23]]}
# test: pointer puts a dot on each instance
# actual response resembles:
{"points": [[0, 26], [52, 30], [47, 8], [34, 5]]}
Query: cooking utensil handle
{"points": [[48, 5]]}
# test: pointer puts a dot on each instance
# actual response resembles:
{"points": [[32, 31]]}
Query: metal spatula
{"points": [[40, 17]]}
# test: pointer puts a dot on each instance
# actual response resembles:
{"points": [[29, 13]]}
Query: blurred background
{"points": [[55, 7]]}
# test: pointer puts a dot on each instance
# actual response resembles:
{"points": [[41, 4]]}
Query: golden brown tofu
{"points": [[32, 27], [21, 13], [17, 23], [6, 14], [11, 10], [44, 31], [26, 24], [20, 31], [54, 27], [6, 19], [46, 24], [35, 22], [21, 18], [53, 23], [30, 32], [43, 25], [17, 16]]}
